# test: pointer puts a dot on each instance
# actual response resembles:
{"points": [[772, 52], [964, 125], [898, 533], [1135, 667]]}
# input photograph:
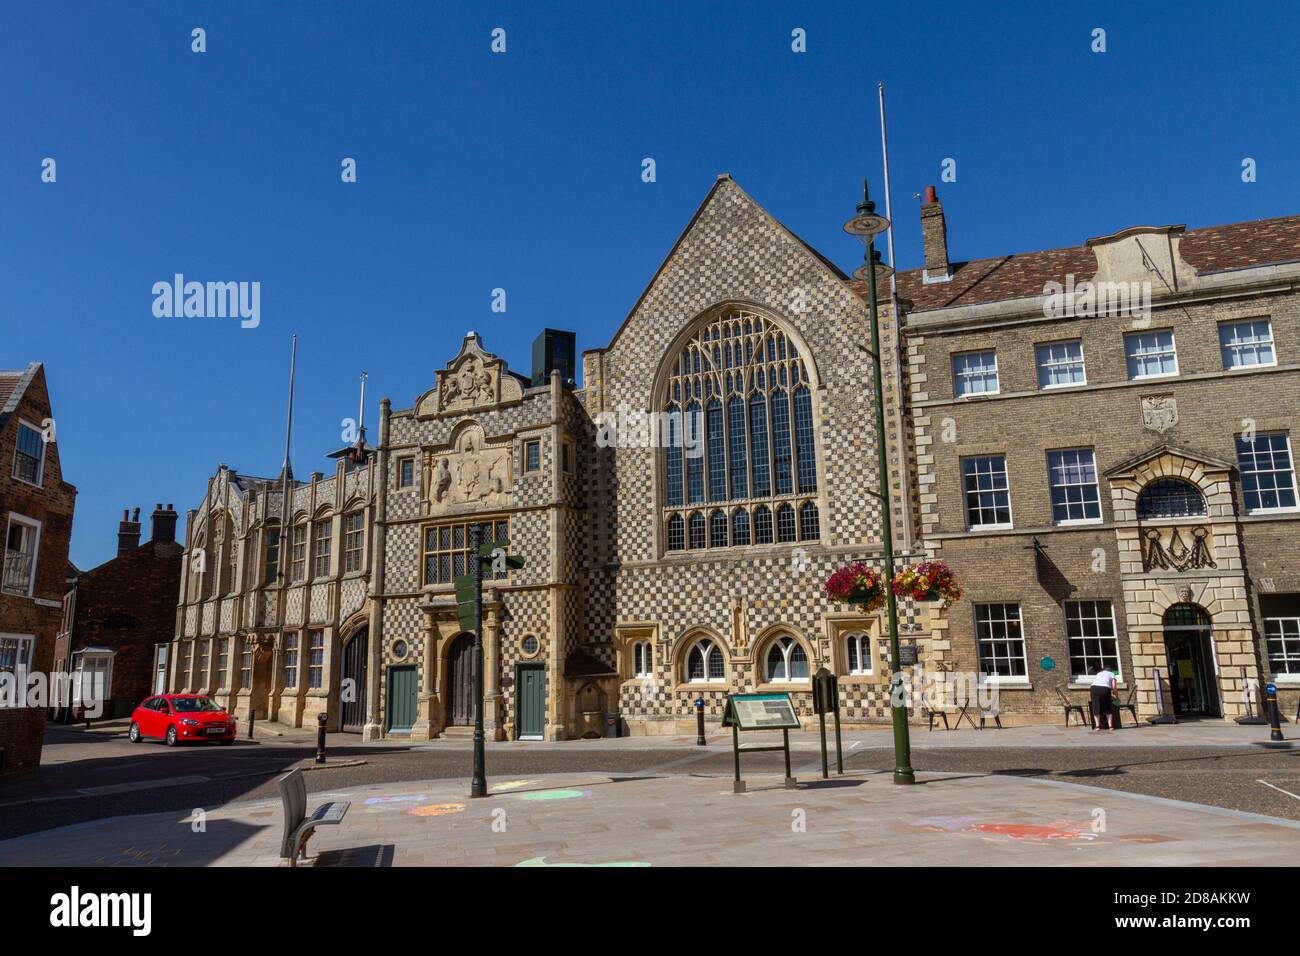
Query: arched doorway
{"points": [[1192, 683], [352, 690], [460, 681]]}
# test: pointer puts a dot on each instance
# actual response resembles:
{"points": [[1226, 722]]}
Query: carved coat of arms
{"points": [[1159, 413]]}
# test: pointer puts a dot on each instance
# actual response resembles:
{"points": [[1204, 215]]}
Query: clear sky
{"points": [[522, 171]]}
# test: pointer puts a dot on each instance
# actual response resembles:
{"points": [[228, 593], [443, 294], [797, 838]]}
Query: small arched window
{"points": [[676, 533], [642, 659], [718, 529], [1170, 498], [704, 662], [787, 661], [857, 653]]}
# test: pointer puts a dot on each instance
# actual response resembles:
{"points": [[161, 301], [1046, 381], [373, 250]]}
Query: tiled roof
{"points": [[1213, 249], [13, 383], [9, 379]]}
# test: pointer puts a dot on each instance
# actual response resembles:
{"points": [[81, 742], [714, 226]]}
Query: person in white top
{"points": [[1103, 695]]}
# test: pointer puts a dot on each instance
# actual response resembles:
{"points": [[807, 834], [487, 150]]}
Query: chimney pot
{"points": [[931, 195]]}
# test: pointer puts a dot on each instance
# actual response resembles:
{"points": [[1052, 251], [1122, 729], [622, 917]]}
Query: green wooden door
{"points": [[402, 693], [530, 695]]}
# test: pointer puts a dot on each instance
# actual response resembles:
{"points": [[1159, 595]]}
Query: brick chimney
{"points": [[934, 238], [164, 523], [128, 532]]}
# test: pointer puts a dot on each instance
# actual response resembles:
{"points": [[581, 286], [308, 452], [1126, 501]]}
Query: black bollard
{"points": [[320, 737], [252, 717], [1274, 713], [699, 721]]}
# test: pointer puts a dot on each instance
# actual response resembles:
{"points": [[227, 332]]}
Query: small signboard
{"points": [[465, 601], [907, 655], [760, 712]]}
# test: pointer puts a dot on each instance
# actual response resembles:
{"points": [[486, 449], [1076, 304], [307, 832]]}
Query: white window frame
{"points": [[787, 644], [78, 672], [707, 656], [1271, 342], [998, 526], [35, 526], [642, 660], [1039, 364], [1129, 355], [1052, 486], [863, 644], [1113, 636], [956, 377], [986, 678], [1291, 678], [40, 464], [1295, 491]]}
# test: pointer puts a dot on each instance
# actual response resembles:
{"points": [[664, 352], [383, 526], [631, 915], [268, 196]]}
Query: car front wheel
{"points": [[171, 736], [134, 734]]}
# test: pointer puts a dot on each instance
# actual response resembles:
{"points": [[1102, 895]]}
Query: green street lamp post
{"points": [[866, 225]]}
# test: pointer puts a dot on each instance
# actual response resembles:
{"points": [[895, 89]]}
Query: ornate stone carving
{"points": [[473, 475], [1159, 413], [474, 379], [471, 385]]}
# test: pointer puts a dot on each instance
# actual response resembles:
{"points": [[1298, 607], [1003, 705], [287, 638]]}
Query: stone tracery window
{"points": [[739, 429]]}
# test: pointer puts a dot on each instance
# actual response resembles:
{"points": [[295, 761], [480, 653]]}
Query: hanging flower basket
{"points": [[927, 581], [856, 584]]}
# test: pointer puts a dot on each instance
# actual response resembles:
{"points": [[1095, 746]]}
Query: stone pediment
{"points": [[1209, 463], [474, 380]]}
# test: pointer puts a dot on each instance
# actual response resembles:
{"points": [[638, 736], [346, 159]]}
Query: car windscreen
{"points": [[190, 705]]}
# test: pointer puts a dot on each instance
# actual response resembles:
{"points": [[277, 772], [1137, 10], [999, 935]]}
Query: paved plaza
{"points": [[588, 819]]}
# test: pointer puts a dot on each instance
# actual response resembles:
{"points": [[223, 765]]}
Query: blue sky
{"points": [[522, 171]]}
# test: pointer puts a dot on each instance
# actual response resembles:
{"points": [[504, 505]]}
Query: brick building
{"points": [[36, 506], [1103, 453], [119, 617]]}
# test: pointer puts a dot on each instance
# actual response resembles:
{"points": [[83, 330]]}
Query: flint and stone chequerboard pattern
{"points": [[588, 519]]}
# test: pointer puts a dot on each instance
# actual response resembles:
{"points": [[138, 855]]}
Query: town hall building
{"points": [[1112, 490]]}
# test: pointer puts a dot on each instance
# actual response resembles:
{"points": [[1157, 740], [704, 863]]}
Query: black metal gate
{"points": [[352, 689]]}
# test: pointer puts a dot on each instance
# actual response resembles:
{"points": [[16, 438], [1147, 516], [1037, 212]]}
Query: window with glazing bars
{"points": [[354, 541], [1267, 473], [447, 549], [322, 542]]}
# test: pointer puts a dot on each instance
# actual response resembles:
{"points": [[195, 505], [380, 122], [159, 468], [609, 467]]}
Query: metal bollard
{"points": [[252, 718], [1274, 713], [699, 721], [320, 737]]}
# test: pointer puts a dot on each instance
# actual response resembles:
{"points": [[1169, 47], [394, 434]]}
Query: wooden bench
{"points": [[298, 826]]}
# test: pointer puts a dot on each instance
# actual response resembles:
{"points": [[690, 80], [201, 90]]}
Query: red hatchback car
{"points": [[178, 717]]}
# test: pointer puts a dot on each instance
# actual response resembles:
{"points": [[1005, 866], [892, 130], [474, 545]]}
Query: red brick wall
{"points": [[129, 604], [39, 615]]}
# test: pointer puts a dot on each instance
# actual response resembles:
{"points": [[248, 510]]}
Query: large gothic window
{"points": [[739, 429]]}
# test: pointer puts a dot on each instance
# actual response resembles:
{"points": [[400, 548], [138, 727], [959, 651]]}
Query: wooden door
{"points": [[460, 679], [530, 695], [402, 697], [352, 690]]}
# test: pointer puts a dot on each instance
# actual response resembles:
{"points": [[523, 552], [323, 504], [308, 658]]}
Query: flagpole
{"points": [[286, 517]]}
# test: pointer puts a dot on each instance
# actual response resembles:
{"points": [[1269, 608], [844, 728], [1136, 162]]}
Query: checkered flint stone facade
{"points": [[611, 613]]}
